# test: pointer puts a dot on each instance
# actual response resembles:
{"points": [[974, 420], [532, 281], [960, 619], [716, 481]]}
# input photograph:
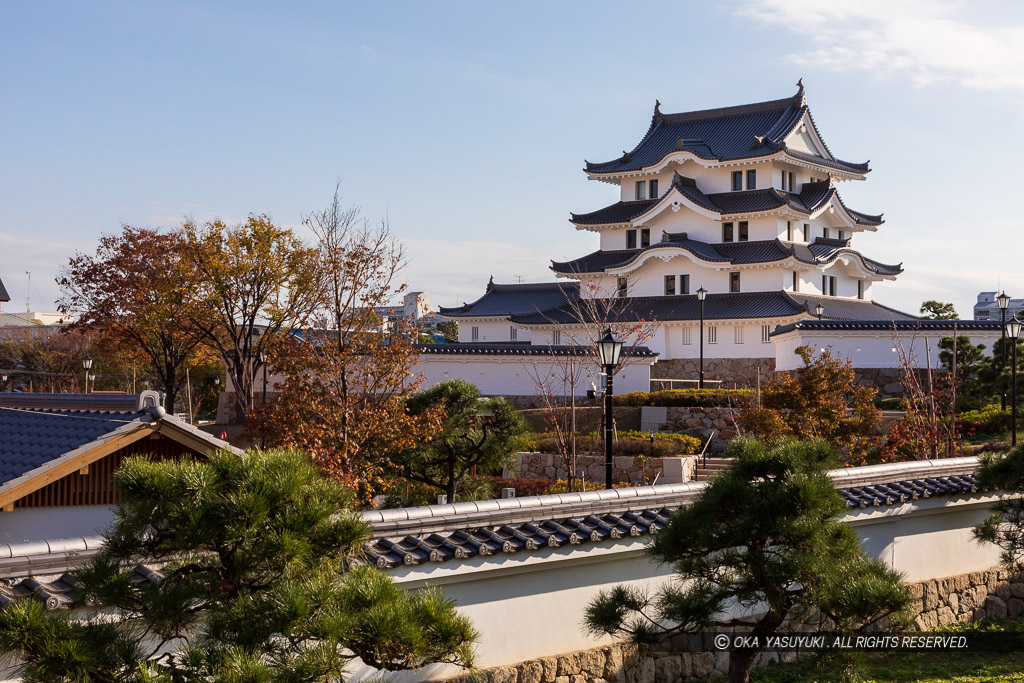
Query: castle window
{"points": [[737, 334], [737, 180], [641, 189], [734, 282], [824, 233], [840, 234], [828, 285], [670, 285], [727, 232], [556, 337], [474, 334], [744, 232], [752, 179], [807, 232], [686, 335], [684, 284], [712, 335], [645, 237], [766, 334], [513, 333], [796, 281], [631, 239], [654, 189], [789, 231], [860, 289], [622, 286], [792, 181]]}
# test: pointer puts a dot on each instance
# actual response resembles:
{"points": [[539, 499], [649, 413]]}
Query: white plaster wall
{"points": [[518, 376], [872, 349], [669, 344], [496, 331], [37, 524], [530, 605]]}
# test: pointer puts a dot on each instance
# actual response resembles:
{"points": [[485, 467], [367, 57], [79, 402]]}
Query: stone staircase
{"points": [[711, 466]]}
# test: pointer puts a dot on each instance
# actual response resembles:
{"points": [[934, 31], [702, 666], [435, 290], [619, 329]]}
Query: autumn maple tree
{"points": [[255, 280], [341, 384], [821, 400], [139, 291]]}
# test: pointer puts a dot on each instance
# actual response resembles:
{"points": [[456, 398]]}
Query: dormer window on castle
{"points": [[740, 234], [737, 180], [642, 189], [645, 238]]}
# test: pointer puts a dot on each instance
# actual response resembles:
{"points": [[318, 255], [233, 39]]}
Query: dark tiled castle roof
{"points": [[4, 296], [822, 252], [516, 299], [523, 349], [729, 306], [812, 196], [890, 325], [743, 132]]}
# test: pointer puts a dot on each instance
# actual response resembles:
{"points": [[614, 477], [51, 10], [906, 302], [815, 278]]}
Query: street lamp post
{"points": [[819, 311], [702, 294], [87, 366], [91, 378], [608, 348], [1013, 331], [1004, 302]]}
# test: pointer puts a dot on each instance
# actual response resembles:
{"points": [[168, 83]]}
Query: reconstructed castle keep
{"points": [[740, 201]]}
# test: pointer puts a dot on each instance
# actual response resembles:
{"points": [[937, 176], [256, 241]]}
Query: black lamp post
{"points": [[608, 348], [819, 311], [262, 357], [1004, 302], [87, 366], [702, 294], [1013, 332]]}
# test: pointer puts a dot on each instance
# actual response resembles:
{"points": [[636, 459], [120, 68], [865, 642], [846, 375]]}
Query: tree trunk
{"points": [[169, 397], [740, 663]]}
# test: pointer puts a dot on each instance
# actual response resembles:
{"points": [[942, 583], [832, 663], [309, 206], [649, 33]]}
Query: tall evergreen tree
{"points": [[764, 537], [256, 583]]}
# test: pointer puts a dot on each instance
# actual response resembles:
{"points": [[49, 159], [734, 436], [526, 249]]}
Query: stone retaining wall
{"points": [[733, 372], [625, 468], [996, 593]]}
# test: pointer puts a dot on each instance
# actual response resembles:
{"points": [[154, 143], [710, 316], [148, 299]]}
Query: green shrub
{"points": [[988, 420], [888, 403], [653, 444], [683, 397]]}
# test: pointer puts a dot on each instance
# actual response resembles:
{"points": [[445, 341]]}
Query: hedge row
{"points": [[990, 420], [684, 397], [635, 443]]}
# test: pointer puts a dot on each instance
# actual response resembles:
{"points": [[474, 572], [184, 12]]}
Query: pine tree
{"points": [[256, 582], [765, 536]]}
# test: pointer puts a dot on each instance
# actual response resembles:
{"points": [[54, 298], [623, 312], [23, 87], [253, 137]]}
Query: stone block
{"points": [[954, 603], [915, 590], [502, 674], [995, 607], [613, 663], [569, 665], [549, 667], [1017, 588], [1003, 591], [592, 662], [944, 616], [702, 664], [668, 669], [930, 599], [1014, 607], [531, 672]]}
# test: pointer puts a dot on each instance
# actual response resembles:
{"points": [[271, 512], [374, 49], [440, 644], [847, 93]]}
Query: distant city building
{"points": [[31, 324], [988, 309]]}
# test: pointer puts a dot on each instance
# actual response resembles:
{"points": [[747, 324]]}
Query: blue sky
{"points": [[466, 124]]}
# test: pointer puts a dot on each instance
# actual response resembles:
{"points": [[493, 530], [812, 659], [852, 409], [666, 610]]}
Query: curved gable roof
{"points": [[4, 296], [741, 132], [516, 299]]}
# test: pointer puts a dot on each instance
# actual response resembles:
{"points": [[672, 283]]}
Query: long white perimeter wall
{"points": [[873, 349], [530, 604], [526, 375]]}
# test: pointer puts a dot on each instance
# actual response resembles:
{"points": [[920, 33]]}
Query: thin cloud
{"points": [[930, 42]]}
